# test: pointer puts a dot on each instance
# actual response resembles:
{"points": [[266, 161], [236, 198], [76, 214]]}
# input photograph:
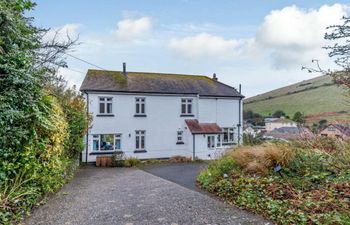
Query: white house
{"points": [[153, 115], [273, 124]]}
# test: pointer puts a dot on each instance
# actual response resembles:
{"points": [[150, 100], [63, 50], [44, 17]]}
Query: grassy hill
{"points": [[318, 98]]}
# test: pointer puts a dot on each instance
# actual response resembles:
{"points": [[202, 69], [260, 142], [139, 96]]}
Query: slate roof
{"points": [[203, 128], [140, 82]]}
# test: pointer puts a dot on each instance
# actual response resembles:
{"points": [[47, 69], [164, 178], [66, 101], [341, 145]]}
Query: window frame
{"points": [[211, 141], [105, 100], [116, 136], [229, 131], [187, 104], [140, 103], [179, 137], [139, 135]]}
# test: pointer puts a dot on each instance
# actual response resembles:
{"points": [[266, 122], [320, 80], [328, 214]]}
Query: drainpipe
{"points": [[87, 132], [194, 147], [239, 116]]}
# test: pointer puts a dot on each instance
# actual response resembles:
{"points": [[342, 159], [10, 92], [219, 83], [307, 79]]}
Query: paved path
{"points": [[107, 196]]}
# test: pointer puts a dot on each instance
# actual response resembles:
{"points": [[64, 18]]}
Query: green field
{"points": [[316, 98]]}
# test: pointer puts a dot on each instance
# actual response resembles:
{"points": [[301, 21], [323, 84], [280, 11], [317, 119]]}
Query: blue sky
{"points": [[260, 44]]}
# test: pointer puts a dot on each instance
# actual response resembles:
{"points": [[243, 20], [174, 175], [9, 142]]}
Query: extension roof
{"points": [[203, 128], [140, 82]]}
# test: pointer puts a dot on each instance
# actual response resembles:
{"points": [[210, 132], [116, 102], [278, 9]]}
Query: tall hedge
{"points": [[41, 129]]}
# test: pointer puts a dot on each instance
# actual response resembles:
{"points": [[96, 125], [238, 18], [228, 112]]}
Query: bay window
{"points": [[228, 136], [106, 142]]}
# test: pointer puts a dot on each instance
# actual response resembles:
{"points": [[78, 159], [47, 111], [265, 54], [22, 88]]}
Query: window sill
{"points": [[226, 144], [105, 115], [186, 115], [180, 143], [140, 151], [104, 152], [140, 115]]}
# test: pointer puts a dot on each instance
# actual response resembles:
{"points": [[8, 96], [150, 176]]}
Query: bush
{"points": [[312, 188], [131, 162]]}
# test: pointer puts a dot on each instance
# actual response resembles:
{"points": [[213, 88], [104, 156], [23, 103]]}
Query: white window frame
{"points": [[188, 103], [228, 131], [211, 141], [105, 100], [139, 102], [179, 136], [97, 137], [139, 136], [219, 138]]}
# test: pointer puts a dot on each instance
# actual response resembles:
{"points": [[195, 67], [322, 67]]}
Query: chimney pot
{"points": [[215, 77], [124, 68]]}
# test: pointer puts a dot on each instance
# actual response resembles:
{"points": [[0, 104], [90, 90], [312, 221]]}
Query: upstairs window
{"points": [[186, 106], [105, 105], [228, 135], [140, 106]]}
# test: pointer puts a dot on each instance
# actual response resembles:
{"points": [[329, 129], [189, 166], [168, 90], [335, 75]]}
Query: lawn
{"points": [[306, 182]]}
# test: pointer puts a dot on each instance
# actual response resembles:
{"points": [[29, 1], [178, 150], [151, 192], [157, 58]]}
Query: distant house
{"points": [[336, 131], [289, 133], [153, 115], [276, 123]]}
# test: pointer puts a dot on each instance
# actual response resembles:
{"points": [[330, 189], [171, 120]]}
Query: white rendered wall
{"points": [[161, 124]]}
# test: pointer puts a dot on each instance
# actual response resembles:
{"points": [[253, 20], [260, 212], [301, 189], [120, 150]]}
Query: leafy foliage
{"points": [[41, 129], [313, 187]]}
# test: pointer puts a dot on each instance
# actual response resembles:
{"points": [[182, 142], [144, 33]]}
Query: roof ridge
{"points": [[163, 73]]}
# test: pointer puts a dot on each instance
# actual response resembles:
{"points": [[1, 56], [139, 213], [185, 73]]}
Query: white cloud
{"points": [[63, 33], [130, 29], [294, 36], [203, 45]]}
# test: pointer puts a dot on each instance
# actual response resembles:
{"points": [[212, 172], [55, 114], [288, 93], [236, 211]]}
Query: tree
{"points": [[299, 118], [340, 51], [279, 113]]}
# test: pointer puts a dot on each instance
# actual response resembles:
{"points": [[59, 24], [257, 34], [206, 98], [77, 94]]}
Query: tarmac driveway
{"points": [[106, 196], [184, 174]]}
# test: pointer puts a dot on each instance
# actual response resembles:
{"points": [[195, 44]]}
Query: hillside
{"points": [[318, 98]]}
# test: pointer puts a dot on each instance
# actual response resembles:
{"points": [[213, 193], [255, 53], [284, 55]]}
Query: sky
{"points": [[260, 44]]}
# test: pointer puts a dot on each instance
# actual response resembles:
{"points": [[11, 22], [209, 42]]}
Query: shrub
{"points": [[131, 162], [313, 187]]}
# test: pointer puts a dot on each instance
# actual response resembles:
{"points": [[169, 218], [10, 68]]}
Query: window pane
{"points": [[117, 144], [183, 100], [109, 99], [231, 136], [225, 137], [137, 142], [102, 99], [142, 142], [208, 141], [183, 108], [189, 108], [107, 141], [142, 108], [137, 108], [95, 145], [102, 108], [109, 107]]}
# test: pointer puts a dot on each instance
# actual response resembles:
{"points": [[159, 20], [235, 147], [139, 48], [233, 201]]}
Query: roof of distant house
{"points": [[203, 128], [280, 120], [342, 128], [290, 133], [140, 82]]}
